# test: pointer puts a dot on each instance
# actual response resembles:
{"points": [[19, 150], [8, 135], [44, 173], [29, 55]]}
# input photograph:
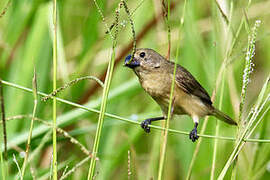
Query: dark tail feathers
{"points": [[223, 117]]}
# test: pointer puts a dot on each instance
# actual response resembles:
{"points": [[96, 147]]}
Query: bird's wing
{"points": [[190, 85]]}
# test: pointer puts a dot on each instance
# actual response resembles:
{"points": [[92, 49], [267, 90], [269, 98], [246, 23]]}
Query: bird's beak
{"points": [[134, 63]]}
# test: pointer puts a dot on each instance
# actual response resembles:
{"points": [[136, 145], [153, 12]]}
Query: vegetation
{"points": [[74, 53]]}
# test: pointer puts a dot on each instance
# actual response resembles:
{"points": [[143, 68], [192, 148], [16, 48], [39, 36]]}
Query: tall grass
{"points": [[227, 19], [55, 26], [243, 129], [108, 79]]}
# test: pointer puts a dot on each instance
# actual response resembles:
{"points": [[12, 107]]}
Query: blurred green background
{"points": [[85, 49]]}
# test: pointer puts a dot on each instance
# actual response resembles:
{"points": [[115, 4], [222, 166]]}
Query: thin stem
{"points": [[228, 54], [42, 143], [132, 29], [170, 108], [70, 83], [75, 168], [239, 143], [59, 130], [132, 121], [197, 148], [54, 88], [106, 89], [2, 166], [224, 16], [198, 145], [217, 131], [254, 165], [18, 167], [249, 134], [3, 161], [34, 84], [101, 116], [3, 120], [246, 78], [3, 12], [169, 30]]}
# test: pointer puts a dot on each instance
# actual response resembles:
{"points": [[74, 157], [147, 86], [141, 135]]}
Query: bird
{"points": [[155, 74]]}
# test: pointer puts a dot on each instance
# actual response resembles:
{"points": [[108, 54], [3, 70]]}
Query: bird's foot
{"points": [[193, 135], [145, 124]]}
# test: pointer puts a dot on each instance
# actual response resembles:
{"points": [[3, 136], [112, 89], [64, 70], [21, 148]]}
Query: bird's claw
{"points": [[193, 135], [145, 126]]}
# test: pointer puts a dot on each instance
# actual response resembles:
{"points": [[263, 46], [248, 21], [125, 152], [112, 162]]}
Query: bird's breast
{"points": [[156, 84]]}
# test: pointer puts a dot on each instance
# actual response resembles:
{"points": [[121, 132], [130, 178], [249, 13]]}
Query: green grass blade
{"points": [[54, 163]]}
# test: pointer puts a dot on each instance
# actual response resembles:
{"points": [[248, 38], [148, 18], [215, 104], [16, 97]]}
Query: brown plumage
{"points": [[155, 74]]}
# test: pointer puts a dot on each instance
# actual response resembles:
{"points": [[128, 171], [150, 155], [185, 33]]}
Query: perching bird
{"points": [[155, 74]]}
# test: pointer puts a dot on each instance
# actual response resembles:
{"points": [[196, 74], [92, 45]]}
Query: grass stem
{"points": [[34, 84], [170, 108], [106, 88], [132, 121], [101, 116], [54, 88], [3, 116], [217, 131]]}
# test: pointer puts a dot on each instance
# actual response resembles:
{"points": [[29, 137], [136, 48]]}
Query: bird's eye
{"points": [[142, 54]]}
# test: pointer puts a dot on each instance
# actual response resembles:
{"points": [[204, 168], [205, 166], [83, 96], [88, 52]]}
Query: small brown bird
{"points": [[155, 74]]}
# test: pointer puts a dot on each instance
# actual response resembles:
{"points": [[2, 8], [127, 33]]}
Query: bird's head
{"points": [[145, 60]]}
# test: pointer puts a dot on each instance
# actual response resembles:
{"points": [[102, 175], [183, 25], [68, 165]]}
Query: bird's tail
{"points": [[223, 117]]}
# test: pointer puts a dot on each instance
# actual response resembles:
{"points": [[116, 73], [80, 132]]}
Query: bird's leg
{"points": [[193, 134], [147, 122]]}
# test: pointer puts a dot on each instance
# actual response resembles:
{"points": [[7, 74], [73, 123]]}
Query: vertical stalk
{"points": [[198, 145], [165, 135], [2, 166], [217, 130], [34, 85], [228, 54], [106, 89], [169, 29], [3, 160], [245, 133], [254, 166], [101, 116], [228, 33], [54, 88], [3, 120], [246, 77]]}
